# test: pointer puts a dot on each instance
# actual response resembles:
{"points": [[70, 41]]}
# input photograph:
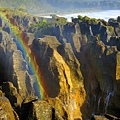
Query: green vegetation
{"points": [[60, 21], [90, 4], [45, 27], [118, 18], [88, 20], [110, 28], [98, 37], [29, 5], [8, 11], [80, 17], [94, 21], [50, 6], [44, 24], [84, 19]]}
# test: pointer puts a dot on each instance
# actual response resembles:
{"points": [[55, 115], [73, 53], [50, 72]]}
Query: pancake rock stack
{"points": [[67, 72]]}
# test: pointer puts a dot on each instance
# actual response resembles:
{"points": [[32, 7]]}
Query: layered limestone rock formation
{"points": [[78, 64], [56, 66]]}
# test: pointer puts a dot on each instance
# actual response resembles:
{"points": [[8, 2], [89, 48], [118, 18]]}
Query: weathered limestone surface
{"points": [[78, 64], [40, 110]]}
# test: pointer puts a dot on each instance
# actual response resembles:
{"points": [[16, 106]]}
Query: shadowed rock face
{"points": [[78, 64]]}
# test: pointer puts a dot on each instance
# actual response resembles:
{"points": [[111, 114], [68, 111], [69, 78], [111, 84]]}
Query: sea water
{"points": [[106, 15]]}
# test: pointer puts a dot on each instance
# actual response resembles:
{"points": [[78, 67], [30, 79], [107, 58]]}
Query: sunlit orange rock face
{"points": [[62, 78]]}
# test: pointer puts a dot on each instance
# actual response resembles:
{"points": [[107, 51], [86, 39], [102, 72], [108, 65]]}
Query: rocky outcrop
{"points": [[14, 67], [54, 67], [77, 64], [60, 67]]}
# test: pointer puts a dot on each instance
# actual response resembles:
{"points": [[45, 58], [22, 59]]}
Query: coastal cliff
{"points": [[59, 70]]}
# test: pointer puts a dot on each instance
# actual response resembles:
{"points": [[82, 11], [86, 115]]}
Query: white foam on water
{"points": [[106, 15]]}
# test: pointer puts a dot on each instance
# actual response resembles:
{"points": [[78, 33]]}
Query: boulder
{"points": [[7, 114], [40, 110]]}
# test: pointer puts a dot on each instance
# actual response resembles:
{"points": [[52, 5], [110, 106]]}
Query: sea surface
{"points": [[95, 14]]}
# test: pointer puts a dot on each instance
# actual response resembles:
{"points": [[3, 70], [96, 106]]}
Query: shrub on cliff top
{"points": [[60, 21], [93, 21], [80, 17], [118, 18], [13, 12], [84, 19], [110, 28], [43, 23], [87, 19]]}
